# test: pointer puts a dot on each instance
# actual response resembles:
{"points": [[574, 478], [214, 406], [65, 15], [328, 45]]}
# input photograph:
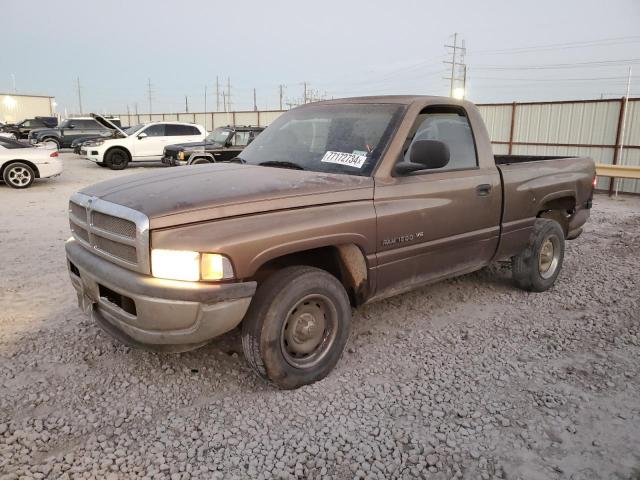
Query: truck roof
{"points": [[393, 99]]}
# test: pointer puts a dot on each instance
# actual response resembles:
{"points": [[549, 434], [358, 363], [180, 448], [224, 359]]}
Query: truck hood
{"points": [[198, 193]]}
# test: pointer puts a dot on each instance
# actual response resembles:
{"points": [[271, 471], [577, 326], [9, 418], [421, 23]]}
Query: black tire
{"points": [[18, 175], [536, 268], [101, 164], [200, 161], [293, 310], [116, 159]]}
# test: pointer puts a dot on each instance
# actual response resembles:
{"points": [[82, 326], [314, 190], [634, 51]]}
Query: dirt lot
{"points": [[469, 378]]}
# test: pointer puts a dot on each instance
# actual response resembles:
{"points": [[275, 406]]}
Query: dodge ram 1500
{"points": [[335, 204]]}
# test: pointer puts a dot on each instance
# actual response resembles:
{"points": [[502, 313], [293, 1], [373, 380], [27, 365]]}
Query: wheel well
{"points": [[117, 147], [345, 262], [50, 137], [32, 165], [560, 210]]}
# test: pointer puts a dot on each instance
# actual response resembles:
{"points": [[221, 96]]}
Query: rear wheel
{"points": [[538, 265], [18, 175], [297, 326], [116, 159]]}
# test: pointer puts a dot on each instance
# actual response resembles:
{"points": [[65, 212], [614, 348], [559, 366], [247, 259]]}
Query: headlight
{"points": [[93, 143], [180, 155], [190, 266]]}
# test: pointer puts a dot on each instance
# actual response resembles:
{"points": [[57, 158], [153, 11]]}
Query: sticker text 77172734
{"points": [[347, 159]]}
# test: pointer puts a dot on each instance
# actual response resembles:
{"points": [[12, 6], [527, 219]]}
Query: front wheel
{"points": [[18, 175], [538, 265], [297, 326], [116, 159]]}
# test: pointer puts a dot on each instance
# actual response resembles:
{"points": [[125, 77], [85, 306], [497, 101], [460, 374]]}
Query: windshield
{"points": [[132, 130], [345, 138], [219, 135]]}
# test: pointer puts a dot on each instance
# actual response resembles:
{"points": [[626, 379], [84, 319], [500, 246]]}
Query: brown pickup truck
{"points": [[336, 204]]}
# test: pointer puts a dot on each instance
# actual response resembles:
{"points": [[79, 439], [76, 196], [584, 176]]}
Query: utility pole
{"points": [[186, 104], [305, 92], [455, 62], [255, 105], [217, 95], [205, 107], [149, 92], [281, 87], [229, 93], [79, 96]]}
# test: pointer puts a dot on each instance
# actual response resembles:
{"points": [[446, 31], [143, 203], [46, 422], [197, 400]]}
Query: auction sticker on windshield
{"points": [[347, 159]]}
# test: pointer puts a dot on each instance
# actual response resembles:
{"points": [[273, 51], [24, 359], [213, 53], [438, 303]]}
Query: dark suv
{"points": [[221, 145], [21, 130], [68, 131]]}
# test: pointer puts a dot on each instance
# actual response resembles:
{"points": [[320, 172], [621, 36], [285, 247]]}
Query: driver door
{"points": [[150, 142], [436, 223]]}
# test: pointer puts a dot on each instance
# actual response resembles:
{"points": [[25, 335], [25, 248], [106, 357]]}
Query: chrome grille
{"points": [[114, 232], [120, 250], [78, 211], [119, 226], [79, 231]]}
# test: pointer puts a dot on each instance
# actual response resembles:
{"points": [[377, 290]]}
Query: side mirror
{"points": [[425, 155], [142, 135], [71, 126]]}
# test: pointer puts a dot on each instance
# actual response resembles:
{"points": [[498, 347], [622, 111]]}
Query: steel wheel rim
{"points": [[309, 331], [19, 176], [549, 257]]}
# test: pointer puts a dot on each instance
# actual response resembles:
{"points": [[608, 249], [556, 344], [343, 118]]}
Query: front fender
{"points": [[251, 241]]}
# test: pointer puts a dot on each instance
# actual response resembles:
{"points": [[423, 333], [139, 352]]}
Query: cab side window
{"points": [[452, 129], [240, 139], [155, 130]]}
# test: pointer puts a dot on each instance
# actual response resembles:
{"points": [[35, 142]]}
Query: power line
{"points": [[551, 66], [560, 46]]}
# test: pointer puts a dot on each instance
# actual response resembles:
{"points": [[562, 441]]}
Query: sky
{"points": [[515, 50]]}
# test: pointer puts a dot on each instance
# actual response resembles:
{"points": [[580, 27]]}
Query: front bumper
{"points": [[90, 154], [172, 161], [152, 313]]}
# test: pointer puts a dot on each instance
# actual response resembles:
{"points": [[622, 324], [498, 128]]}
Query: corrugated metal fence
{"points": [[210, 119], [584, 127], [587, 128]]}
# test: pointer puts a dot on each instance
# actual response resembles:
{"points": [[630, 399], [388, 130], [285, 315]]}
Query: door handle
{"points": [[483, 190]]}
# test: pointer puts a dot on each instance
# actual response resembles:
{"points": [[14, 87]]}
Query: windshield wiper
{"points": [[281, 164]]}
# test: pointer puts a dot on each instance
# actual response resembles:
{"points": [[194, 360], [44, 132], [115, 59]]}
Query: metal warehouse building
{"points": [[15, 107]]}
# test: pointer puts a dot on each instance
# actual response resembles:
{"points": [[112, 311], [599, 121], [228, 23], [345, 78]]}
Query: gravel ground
{"points": [[469, 378]]}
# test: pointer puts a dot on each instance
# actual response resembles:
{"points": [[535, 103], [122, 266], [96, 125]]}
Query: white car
{"points": [[140, 143], [21, 164]]}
